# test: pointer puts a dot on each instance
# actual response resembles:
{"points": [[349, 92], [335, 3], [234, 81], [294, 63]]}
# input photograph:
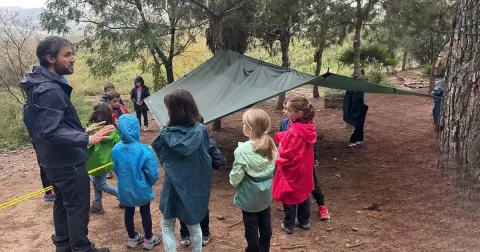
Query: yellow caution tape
{"points": [[43, 190]]}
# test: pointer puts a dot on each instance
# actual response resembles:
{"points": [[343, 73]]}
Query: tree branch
{"points": [[231, 8], [211, 12]]}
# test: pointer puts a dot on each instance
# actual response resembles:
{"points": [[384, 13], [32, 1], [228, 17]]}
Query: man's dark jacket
{"points": [[52, 121]]}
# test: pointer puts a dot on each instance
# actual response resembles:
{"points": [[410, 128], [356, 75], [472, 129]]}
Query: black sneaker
{"points": [[286, 230], [100, 250], [206, 239]]}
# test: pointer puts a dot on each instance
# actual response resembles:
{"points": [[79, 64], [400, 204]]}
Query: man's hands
{"points": [[94, 127], [101, 134]]}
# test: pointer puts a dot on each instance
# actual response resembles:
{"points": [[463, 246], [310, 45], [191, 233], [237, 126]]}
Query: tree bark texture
{"points": [[318, 60], [284, 44], [459, 133], [356, 42], [216, 33]]}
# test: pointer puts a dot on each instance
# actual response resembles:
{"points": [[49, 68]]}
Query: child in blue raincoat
{"points": [[183, 150], [137, 171]]}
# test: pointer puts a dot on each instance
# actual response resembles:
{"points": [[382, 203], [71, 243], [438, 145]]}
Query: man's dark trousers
{"points": [[71, 207]]}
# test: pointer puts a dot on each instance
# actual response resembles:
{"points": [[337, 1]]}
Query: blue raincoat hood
{"points": [[128, 128], [134, 164]]}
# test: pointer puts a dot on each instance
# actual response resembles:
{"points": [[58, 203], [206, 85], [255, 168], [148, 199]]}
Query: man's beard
{"points": [[60, 70]]}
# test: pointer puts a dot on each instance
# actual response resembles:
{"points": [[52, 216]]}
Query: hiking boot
{"points": [[351, 144], [206, 239], [145, 128], [286, 230], [63, 248], [358, 143], [96, 209], [110, 175], [324, 215], [304, 227], [185, 241], [132, 243], [152, 242], [49, 198]]}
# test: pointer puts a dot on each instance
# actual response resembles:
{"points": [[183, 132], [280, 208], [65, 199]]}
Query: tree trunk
{"points": [[460, 115], [431, 84], [356, 42], [169, 71], [404, 59], [216, 33], [318, 59], [284, 44]]}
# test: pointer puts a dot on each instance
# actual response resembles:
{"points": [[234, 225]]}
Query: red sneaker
{"points": [[324, 215], [280, 206]]}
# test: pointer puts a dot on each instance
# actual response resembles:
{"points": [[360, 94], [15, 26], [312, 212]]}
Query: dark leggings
{"points": [[317, 192], [204, 224], [146, 221], [145, 117]]}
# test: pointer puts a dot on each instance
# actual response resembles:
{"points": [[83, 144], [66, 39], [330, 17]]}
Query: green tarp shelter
{"points": [[229, 82]]}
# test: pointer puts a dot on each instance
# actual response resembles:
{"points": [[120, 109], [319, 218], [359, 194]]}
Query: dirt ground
{"points": [[395, 168]]}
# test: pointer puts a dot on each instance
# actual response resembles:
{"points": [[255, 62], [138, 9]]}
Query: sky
{"points": [[23, 3]]}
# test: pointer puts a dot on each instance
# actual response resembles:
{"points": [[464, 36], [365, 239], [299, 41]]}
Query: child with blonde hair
{"points": [[252, 175], [293, 180]]}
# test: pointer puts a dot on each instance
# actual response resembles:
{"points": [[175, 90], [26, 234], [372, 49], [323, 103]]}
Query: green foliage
{"points": [[334, 93], [376, 74], [368, 54], [150, 32], [14, 134]]}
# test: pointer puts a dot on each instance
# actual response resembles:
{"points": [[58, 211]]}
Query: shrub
{"points": [[334, 93], [14, 134]]}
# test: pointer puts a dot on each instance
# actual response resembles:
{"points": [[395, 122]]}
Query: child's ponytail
{"points": [[266, 147], [259, 122]]}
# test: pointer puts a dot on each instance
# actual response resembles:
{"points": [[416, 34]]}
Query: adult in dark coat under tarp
{"points": [[355, 112], [61, 143]]}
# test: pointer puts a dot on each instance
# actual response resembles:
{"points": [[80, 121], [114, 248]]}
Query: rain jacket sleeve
{"points": [[215, 154], [150, 167], [50, 107], [238, 172], [289, 146]]}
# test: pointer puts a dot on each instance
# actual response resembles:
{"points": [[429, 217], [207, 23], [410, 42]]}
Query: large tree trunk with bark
{"points": [[318, 60], [169, 71], [356, 42], [216, 33], [460, 116], [284, 44]]}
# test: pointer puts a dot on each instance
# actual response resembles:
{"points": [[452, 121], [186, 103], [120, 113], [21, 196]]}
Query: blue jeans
{"points": [[100, 185], [168, 232]]}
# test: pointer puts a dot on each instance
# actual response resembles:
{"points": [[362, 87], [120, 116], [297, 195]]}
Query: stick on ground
{"points": [[293, 247], [236, 223]]}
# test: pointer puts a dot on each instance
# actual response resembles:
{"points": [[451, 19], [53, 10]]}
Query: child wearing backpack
{"points": [[317, 192], [183, 148], [252, 175], [293, 180], [137, 171], [101, 154]]}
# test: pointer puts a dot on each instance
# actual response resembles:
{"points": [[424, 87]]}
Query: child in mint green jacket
{"points": [[252, 175]]}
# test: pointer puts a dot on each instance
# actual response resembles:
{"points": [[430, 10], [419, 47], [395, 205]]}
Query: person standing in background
{"points": [[138, 95]]}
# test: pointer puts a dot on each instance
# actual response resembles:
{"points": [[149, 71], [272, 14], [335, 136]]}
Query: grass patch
{"points": [[14, 134]]}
